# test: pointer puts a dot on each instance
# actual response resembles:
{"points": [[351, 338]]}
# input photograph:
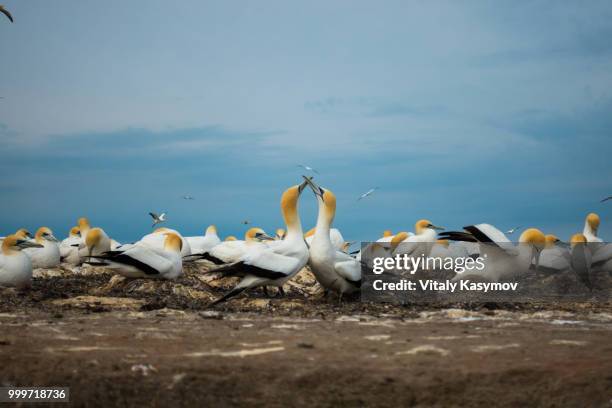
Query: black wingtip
{"points": [[228, 295]]}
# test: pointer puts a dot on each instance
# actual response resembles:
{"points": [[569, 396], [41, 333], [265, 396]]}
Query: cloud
{"points": [[370, 107]]}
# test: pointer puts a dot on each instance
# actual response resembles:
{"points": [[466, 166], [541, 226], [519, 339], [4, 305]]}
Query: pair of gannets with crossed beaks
{"points": [[276, 261], [502, 259], [15, 266], [334, 269], [140, 260], [49, 255]]}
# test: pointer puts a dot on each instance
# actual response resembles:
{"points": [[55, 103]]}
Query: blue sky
{"points": [[462, 113]]}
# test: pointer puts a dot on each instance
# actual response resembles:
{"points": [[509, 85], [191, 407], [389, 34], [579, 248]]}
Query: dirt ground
{"points": [[118, 342]]}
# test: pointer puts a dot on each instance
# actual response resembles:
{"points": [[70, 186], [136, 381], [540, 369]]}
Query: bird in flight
{"points": [[6, 12], [606, 199], [157, 219], [512, 230], [308, 168], [367, 193], [188, 197], [246, 222]]}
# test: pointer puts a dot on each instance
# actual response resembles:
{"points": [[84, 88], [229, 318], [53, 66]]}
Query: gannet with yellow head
{"points": [[15, 266], [421, 242], [334, 270], [231, 251], [144, 261], [69, 247], [157, 239], [276, 262], [49, 255], [555, 256], [280, 233], [582, 258], [205, 243], [502, 259], [591, 225]]}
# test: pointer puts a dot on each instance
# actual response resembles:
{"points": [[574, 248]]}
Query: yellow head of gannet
{"points": [[257, 234], [44, 234], [23, 234], [551, 240], [593, 222], [83, 224], [93, 238], [398, 239], [231, 238], [280, 233], [74, 232], [212, 229], [173, 242], [13, 243], [577, 239], [533, 236], [422, 225], [289, 208], [387, 233]]}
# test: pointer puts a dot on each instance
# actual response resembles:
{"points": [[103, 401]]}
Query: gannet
{"points": [[49, 255], [276, 262], [96, 242], [156, 240], [143, 261], [157, 219], [15, 266], [581, 259], [367, 193], [231, 251], [188, 197], [334, 270], [502, 258], [308, 168], [554, 257], [204, 243], [21, 233], [69, 247], [230, 238], [334, 234], [280, 233], [421, 242], [6, 13], [591, 224], [512, 230]]}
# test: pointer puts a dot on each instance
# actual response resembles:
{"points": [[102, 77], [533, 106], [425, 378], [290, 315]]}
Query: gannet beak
{"points": [[315, 188], [435, 227], [28, 244], [52, 238], [264, 237]]}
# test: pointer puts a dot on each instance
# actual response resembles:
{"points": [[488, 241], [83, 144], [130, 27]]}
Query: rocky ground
{"points": [[140, 342]]}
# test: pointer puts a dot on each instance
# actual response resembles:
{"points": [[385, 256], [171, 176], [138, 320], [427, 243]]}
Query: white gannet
{"points": [[96, 242], [280, 233], [156, 239], [69, 247], [6, 13], [334, 235], [512, 230], [421, 242], [204, 243], [591, 224], [502, 259], [157, 219], [386, 236], [15, 266], [308, 168], [581, 259], [231, 251], [21, 233], [554, 257], [276, 262], [49, 255], [334, 270], [367, 193], [144, 261]]}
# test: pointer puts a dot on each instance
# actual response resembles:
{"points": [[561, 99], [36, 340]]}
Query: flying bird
{"points": [[512, 230], [157, 219], [308, 168], [606, 199], [6, 12], [188, 197], [367, 193], [246, 222]]}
